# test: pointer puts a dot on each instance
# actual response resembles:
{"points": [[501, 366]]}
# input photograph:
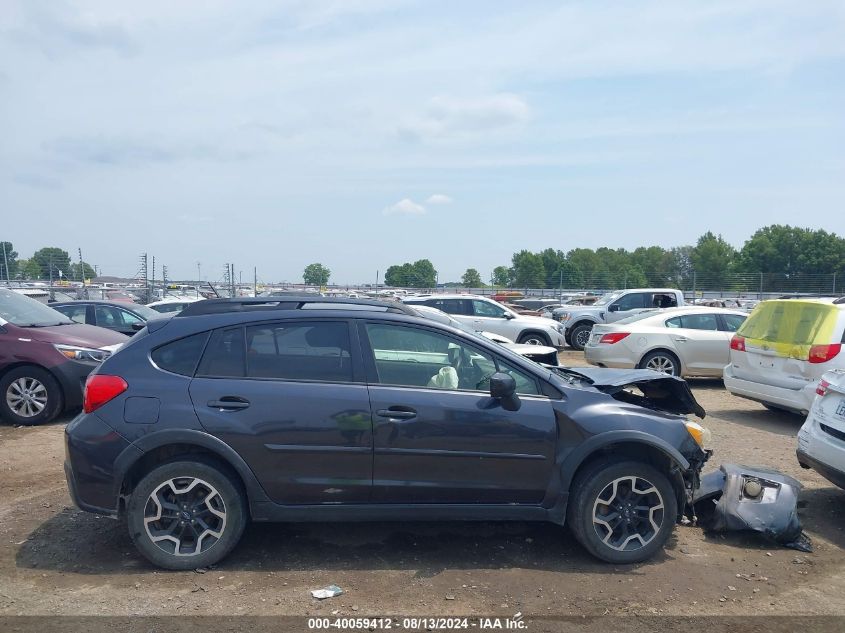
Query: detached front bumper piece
{"points": [[742, 498]]}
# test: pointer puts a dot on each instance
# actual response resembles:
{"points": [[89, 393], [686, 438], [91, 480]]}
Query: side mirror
{"points": [[613, 307], [508, 316], [138, 326], [503, 389]]}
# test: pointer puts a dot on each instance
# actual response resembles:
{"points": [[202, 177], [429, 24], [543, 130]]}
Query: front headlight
{"points": [[563, 316], [82, 353], [700, 434]]}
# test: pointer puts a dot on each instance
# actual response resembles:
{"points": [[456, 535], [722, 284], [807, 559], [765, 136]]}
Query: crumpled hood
{"points": [[76, 334], [670, 392]]}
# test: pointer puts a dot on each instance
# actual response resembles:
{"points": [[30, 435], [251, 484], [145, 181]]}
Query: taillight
{"points": [[100, 389], [824, 353], [613, 337], [822, 388], [738, 343]]}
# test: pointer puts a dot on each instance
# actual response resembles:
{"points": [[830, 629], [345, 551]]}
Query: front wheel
{"points": [[186, 514], [622, 512], [580, 336], [534, 338], [29, 395]]}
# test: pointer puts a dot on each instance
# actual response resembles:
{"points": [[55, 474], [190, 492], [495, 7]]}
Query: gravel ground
{"points": [[55, 559]]}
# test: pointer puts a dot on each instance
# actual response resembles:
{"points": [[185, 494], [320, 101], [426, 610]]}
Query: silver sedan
{"points": [[679, 341]]}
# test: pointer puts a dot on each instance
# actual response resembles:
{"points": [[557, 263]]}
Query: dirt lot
{"points": [[55, 559]]}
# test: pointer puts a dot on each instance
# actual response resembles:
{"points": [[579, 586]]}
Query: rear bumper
{"points": [[834, 475], [799, 400], [606, 356], [91, 449]]}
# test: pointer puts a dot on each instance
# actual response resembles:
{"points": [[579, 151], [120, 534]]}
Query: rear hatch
{"points": [[830, 408], [778, 339]]}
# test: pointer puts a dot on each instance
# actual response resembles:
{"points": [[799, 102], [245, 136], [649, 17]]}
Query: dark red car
{"points": [[45, 358]]}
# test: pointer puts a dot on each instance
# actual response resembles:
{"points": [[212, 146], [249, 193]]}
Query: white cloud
{"points": [[439, 198], [459, 117], [405, 206]]}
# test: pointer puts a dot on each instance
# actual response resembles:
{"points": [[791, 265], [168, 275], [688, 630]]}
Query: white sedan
{"points": [[678, 341]]}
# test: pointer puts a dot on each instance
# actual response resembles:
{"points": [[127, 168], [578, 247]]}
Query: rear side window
{"points": [[694, 322], [224, 355], [733, 321], [180, 356], [452, 306], [314, 351]]}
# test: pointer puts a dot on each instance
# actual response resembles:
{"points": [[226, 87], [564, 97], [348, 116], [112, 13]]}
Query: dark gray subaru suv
{"points": [[313, 409]]}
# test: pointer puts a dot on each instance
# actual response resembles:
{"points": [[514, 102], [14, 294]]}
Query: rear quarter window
{"points": [[180, 356]]}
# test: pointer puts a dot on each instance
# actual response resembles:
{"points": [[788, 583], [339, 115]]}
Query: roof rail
{"points": [[254, 304], [840, 300]]}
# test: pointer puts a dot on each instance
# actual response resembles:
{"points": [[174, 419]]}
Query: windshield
{"points": [[25, 312], [608, 298]]}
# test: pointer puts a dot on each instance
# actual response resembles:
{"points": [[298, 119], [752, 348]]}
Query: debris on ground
{"points": [[762, 500], [329, 592]]}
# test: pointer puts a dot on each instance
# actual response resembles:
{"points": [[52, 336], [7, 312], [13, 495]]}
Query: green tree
{"points": [[89, 272], [53, 262], [420, 274], [28, 269], [316, 275], [791, 250], [712, 260], [501, 276], [528, 270], [471, 279], [8, 261]]}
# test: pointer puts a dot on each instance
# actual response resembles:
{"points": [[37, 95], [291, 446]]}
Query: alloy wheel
{"points": [[628, 513], [663, 364], [582, 337], [185, 516], [26, 397]]}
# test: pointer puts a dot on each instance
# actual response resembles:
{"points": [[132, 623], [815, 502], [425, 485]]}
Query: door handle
{"points": [[397, 413], [229, 403], [681, 339]]}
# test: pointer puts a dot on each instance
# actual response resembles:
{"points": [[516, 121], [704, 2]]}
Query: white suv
{"points": [[781, 351], [481, 313]]}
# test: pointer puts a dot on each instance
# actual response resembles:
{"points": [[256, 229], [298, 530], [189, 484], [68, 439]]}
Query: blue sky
{"points": [[364, 133]]}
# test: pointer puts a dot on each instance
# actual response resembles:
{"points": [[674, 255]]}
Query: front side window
{"points": [[487, 309], [314, 351], [631, 302], [414, 357], [108, 317]]}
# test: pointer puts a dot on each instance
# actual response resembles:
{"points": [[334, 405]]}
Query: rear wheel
{"points": [[186, 514], [622, 512], [662, 361], [29, 395], [580, 336]]}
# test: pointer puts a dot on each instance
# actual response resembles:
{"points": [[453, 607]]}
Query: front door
{"points": [[438, 435], [289, 397], [703, 347]]}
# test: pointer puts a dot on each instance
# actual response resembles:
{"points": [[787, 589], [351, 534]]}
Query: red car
{"points": [[45, 358]]}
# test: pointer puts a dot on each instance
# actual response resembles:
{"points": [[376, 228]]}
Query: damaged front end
{"points": [[740, 498]]}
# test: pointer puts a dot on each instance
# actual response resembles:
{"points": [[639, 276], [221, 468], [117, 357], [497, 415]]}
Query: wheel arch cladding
{"points": [[172, 445], [535, 332], [627, 445]]}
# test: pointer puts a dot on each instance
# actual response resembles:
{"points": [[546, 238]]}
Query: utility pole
{"points": [[163, 281], [143, 274], [560, 287], [199, 279], [6, 265], [255, 281], [150, 296]]}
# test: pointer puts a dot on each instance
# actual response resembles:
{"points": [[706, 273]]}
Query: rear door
{"points": [[438, 435], [702, 346], [290, 398]]}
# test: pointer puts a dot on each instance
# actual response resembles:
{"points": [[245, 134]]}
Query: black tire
{"points": [[534, 338], [662, 358], [579, 335], [593, 481], [23, 390], [230, 500]]}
